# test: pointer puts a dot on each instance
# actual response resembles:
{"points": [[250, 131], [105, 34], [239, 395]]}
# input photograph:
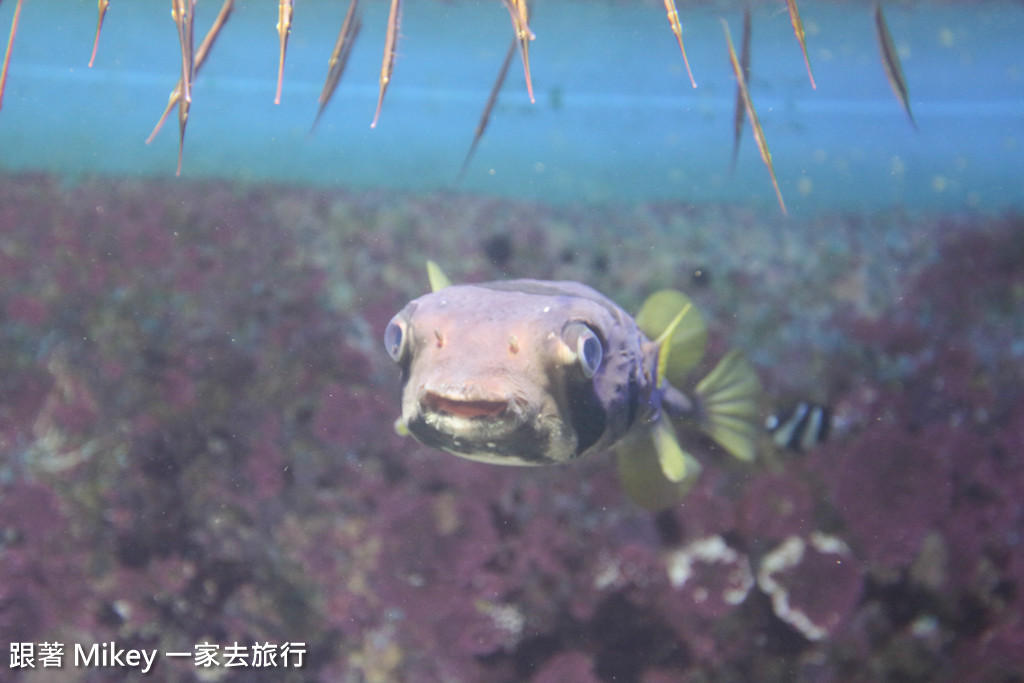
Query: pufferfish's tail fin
{"points": [[657, 472], [727, 399], [727, 405]]}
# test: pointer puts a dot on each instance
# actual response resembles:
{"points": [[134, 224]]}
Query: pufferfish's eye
{"points": [[587, 345], [394, 338], [590, 352]]}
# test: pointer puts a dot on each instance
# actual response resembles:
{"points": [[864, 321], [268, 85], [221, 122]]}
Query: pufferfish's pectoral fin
{"points": [[728, 402], [657, 472], [400, 428], [670, 318], [438, 280]]}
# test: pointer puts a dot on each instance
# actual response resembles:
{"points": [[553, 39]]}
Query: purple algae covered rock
{"points": [[567, 666], [196, 422], [42, 580], [814, 583], [890, 488], [776, 505], [708, 577]]}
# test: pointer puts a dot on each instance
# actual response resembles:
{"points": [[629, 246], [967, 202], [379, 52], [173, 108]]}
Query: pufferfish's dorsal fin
{"points": [[656, 472], [728, 403], [670, 318], [438, 280]]}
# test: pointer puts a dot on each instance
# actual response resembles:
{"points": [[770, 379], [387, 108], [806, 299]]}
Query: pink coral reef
{"points": [[196, 428]]}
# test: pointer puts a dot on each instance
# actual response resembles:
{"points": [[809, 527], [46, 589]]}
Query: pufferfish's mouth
{"points": [[470, 417], [483, 408], [492, 429]]}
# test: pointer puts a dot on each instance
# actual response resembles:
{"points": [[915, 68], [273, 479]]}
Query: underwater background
{"points": [[196, 410]]}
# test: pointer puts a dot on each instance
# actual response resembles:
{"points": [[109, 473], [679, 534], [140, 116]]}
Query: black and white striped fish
{"points": [[801, 427]]}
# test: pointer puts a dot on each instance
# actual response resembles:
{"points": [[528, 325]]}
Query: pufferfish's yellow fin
{"points": [[400, 428], [664, 343], [656, 473], [670, 318], [728, 399], [438, 280], [671, 456]]}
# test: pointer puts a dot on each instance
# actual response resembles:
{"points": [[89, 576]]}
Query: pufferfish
{"points": [[534, 372]]}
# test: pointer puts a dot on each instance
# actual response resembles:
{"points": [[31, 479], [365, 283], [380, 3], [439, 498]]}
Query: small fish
{"points": [[485, 117], [739, 109], [755, 124], [183, 13], [677, 28], [200, 59], [103, 4], [891, 62], [388, 65], [339, 57], [532, 372], [284, 28], [798, 30], [800, 428], [520, 23], [7, 52]]}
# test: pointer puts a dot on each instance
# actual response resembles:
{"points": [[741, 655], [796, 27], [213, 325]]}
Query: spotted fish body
{"points": [[498, 371], [533, 372]]}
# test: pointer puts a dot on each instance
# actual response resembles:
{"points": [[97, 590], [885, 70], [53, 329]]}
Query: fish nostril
{"points": [[465, 408]]}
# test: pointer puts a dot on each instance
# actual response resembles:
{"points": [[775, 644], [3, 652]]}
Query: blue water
{"points": [[615, 118]]}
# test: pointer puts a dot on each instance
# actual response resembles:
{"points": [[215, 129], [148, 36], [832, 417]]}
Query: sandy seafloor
{"points": [[197, 446]]}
